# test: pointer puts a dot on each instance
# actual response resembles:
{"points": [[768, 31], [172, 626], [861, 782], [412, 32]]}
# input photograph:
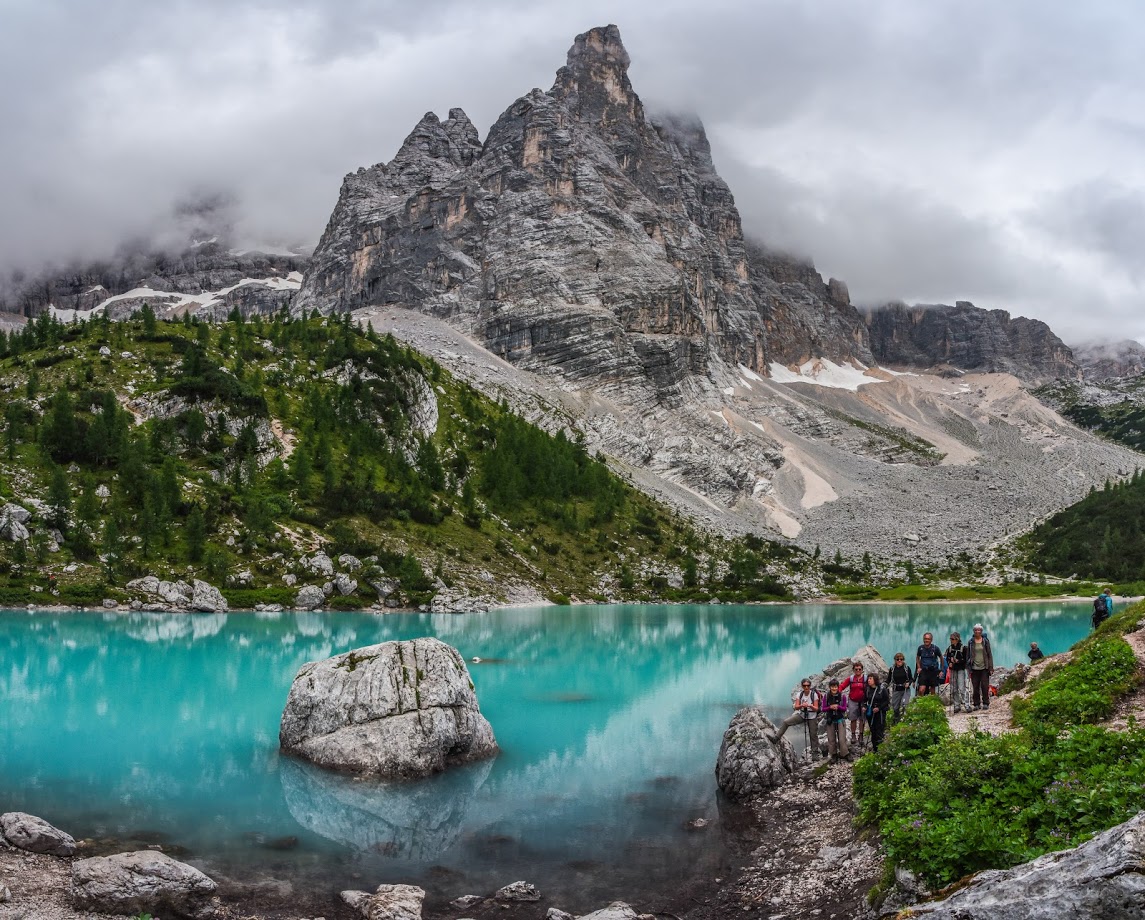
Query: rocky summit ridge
{"points": [[586, 264], [581, 237]]}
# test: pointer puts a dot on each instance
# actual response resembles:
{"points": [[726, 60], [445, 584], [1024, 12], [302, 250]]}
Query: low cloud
{"points": [[919, 151]]}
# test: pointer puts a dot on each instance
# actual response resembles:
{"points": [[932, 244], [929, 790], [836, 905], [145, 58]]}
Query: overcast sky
{"points": [[924, 151]]}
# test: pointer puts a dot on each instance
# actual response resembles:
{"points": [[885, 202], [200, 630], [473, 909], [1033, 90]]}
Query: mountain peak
{"points": [[597, 47], [594, 82]]}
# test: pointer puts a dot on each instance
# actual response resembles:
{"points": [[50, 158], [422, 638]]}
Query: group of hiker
{"points": [[865, 700]]}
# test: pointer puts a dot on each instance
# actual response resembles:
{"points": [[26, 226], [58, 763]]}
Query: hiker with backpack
{"points": [[855, 687], [927, 666], [956, 664], [899, 678], [806, 705], [834, 708], [1102, 607], [878, 701], [981, 662]]}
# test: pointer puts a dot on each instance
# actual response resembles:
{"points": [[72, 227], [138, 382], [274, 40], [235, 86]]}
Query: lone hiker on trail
{"points": [[927, 665], [1035, 653], [1102, 607], [956, 663], [855, 687], [806, 706], [900, 678], [981, 664]]}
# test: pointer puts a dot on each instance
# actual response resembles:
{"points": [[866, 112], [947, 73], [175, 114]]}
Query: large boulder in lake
{"points": [[1103, 877], [398, 710], [27, 832], [142, 882], [751, 761]]}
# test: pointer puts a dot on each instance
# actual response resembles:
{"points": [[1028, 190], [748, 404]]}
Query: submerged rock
{"points": [[750, 761], [518, 891], [1103, 877], [27, 832], [388, 902], [397, 710], [145, 881]]}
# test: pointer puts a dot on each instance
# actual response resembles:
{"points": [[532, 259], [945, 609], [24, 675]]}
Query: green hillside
{"points": [[1102, 536], [229, 451], [1113, 409]]}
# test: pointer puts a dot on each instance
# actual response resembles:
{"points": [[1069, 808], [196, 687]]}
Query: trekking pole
{"points": [[807, 735]]}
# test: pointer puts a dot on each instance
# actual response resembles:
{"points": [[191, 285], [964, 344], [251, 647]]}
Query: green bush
{"points": [[1082, 692]]}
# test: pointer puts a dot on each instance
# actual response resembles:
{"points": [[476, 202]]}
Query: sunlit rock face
{"points": [[397, 710], [581, 236]]}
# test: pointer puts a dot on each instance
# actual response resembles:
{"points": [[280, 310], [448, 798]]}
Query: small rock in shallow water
{"points": [[553, 914], [518, 891], [466, 900], [389, 902]]}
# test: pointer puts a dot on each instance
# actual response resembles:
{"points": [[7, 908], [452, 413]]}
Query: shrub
{"points": [[1082, 692]]}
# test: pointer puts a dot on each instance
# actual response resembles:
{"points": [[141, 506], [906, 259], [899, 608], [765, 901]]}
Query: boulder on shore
{"points": [[1103, 877], [397, 710], [751, 762], [27, 832], [144, 881], [840, 669], [309, 597]]}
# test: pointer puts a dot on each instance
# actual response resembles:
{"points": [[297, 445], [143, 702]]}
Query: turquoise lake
{"points": [[164, 727]]}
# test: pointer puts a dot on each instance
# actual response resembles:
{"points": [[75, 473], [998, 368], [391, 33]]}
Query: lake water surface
{"points": [[165, 727]]}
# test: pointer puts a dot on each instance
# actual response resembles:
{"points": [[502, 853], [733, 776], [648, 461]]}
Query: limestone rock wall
{"points": [[968, 338]]}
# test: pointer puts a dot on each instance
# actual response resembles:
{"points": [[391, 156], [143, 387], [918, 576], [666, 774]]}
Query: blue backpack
{"points": [[930, 658]]}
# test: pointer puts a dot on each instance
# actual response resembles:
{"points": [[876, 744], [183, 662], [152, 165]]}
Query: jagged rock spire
{"points": [[595, 78]]}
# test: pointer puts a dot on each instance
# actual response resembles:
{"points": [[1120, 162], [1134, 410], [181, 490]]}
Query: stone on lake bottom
{"points": [[518, 891], [388, 902]]}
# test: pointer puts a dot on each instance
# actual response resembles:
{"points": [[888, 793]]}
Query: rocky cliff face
{"points": [[580, 237], [1102, 361], [804, 317], [968, 338]]}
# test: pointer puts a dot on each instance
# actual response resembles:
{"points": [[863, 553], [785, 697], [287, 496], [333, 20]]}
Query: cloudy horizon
{"points": [[952, 151]]}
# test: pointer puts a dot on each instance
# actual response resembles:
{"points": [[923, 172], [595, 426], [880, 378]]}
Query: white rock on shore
{"points": [[1102, 878]]}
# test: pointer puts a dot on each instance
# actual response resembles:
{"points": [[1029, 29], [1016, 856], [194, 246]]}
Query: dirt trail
{"points": [[996, 719]]}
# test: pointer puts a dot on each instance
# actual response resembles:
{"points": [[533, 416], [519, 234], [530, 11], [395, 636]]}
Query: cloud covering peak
{"points": [[924, 152]]}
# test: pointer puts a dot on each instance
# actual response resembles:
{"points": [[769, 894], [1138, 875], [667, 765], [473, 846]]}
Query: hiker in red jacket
{"points": [[855, 687]]}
